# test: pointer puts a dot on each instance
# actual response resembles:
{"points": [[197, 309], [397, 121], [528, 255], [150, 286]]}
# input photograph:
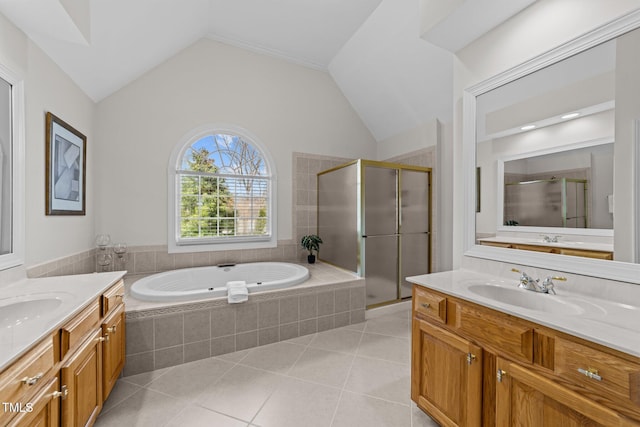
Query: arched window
{"points": [[223, 193]]}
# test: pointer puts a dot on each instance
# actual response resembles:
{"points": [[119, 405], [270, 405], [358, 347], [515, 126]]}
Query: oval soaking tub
{"points": [[211, 282]]}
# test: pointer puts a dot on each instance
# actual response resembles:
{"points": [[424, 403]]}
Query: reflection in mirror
{"points": [[5, 168], [570, 189], [583, 93], [11, 169], [545, 148]]}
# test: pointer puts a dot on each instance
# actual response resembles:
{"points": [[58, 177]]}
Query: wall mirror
{"points": [[11, 170], [555, 142]]}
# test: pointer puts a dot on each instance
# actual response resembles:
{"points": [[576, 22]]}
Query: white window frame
{"points": [[178, 245]]}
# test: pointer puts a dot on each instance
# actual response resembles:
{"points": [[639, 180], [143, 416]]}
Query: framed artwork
{"points": [[65, 176]]}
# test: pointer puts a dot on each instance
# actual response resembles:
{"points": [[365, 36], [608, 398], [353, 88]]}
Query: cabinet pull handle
{"points": [[591, 373], [425, 305], [119, 295], [31, 381], [470, 358], [63, 393], [102, 339], [500, 374], [112, 329]]}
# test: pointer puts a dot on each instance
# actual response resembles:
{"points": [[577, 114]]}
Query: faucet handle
{"points": [[548, 286]]}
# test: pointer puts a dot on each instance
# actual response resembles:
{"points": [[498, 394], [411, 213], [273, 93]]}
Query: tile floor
{"points": [[358, 375]]}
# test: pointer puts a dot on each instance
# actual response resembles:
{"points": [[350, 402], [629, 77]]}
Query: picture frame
{"points": [[65, 165]]}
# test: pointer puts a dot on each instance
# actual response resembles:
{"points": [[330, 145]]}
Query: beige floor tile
{"points": [[393, 325], [355, 410], [385, 347], [341, 340], [121, 391], [420, 419], [303, 340], [235, 357], [380, 378], [190, 379], [322, 366], [196, 416], [298, 403], [144, 408], [146, 377], [356, 326], [278, 357], [241, 392]]}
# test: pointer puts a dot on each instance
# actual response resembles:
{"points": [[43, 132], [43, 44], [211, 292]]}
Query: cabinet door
{"points": [[112, 349], [524, 398], [43, 410], [82, 375], [446, 376]]}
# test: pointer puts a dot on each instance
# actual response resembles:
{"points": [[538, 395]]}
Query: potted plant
{"points": [[311, 243]]}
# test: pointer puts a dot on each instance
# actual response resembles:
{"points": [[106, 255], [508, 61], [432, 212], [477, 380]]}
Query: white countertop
{"points": [[62, 298], [566, 244], [610, 323]]}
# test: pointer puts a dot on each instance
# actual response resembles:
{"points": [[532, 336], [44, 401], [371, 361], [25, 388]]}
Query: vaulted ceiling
{"points": [[394, 79]]}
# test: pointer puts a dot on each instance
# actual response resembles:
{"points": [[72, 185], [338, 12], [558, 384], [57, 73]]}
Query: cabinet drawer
{"points": [[431, 305], [75, 331], [112, 297], [506, 334], [603, 373], [22, 378]]}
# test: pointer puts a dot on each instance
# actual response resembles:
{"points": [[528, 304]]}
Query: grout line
{"points": [[342, 389]]}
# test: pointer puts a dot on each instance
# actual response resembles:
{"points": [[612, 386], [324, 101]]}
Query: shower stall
{"points": [[375, 220]]}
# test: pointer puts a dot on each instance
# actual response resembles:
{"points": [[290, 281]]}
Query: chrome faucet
{"points": [[529, 283]]}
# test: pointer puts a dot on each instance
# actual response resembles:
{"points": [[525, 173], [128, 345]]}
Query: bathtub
{"points": [[210, 282]]}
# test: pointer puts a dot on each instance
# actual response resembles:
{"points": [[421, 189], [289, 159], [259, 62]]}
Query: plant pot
{"points": [[311, 259]]}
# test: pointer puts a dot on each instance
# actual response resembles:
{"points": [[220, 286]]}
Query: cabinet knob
{"points": [[112, 329], [63, 393], [103, 339], [32, 380], [425, 305], [591, 373], [119, 296]]}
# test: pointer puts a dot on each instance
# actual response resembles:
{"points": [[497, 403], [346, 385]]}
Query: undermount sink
{"points": [[23, 309], [525, 299]]}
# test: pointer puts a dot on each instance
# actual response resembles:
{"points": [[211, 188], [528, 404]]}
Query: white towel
{"points": [[237, 292]]}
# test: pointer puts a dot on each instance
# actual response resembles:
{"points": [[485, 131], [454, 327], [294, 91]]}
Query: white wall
{"points": [[47, 88], [287, 107], [423, 136], [544, 25]]}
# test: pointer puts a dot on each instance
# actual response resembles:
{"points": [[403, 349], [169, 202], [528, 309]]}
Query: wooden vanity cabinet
{"points": [[529, 375], [113, 348], [606, 255], [524, 398], [64, 379], [43, 409], [446, 376]]}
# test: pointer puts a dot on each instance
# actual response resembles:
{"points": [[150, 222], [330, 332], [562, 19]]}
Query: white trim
{"points": [[177, 245], [16, 256], [627, 272], [636, 195]]}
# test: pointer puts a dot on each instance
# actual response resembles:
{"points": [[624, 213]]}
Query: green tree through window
{"points": [[224, 189]]}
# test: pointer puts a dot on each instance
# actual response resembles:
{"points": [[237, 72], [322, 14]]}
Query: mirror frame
{"points": [[614, 270], [16, 256]]}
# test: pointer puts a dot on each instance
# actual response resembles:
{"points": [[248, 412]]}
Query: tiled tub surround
{"points": [[162, 335]]}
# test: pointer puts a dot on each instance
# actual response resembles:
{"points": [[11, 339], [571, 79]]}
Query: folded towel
{"points": [[236, 284], [237, 292]]}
